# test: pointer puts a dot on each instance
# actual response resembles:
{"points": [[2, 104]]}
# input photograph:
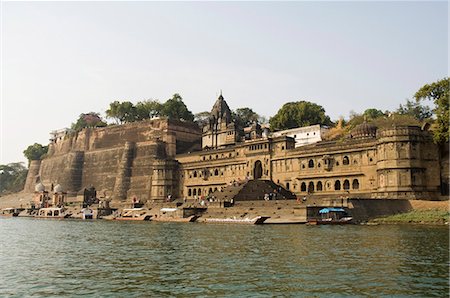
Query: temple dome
{"points": [[58, 188], [221, 110], [364, 130], [39, 187]]}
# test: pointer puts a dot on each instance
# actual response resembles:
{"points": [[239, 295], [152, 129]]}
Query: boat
{"points": [[87, 213], [246, 220], [331, 216], [131, 214], [10, 212], [173, 215], [52, 212]]}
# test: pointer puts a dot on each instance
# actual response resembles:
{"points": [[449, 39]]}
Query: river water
{"points": [[41, 258]]}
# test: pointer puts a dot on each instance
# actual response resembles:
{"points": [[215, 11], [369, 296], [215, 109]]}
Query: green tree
{"points": [[175, 108], [415, 109], [12, 177], [90, 119], [147, 109], [244, 117], [202, 118], [373, 113], [439, 93], [35, 152], [297, 114], [122, 112]]}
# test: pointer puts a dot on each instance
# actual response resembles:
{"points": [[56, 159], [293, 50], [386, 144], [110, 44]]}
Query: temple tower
{"points": [[220, 130]]}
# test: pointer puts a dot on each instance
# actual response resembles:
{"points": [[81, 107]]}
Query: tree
{"points": [[202, 118], [122, 111], [147, 109], [297, 114], [12, 177], [90, 119], [244, 117], [175, 108], [35, 152], [415, 109], [439, 93], [373, 113]]}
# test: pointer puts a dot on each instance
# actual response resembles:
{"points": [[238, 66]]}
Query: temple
{"points": [[157, 158]]}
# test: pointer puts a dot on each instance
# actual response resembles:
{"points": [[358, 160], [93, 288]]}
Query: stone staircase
{"points": [[253, 190]]}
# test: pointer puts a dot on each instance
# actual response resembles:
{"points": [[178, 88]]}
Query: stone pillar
{"points": [[122, 183], [33, 172]]}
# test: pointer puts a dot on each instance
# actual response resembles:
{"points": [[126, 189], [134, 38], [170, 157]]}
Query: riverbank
{"points": [[433, 216], [424, 212]]}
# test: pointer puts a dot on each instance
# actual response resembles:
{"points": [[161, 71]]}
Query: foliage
{"points": [[244, 117], [415, 109], [147, 109], [439, 93], [297, 114], [12, 177], [373, 114], [175, 108], [202, 118], [122, 112], [90, 119], [35, 152]]}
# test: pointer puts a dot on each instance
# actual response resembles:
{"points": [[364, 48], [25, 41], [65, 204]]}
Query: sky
{"points": [[61, 59]]}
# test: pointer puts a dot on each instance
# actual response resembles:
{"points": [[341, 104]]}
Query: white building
{"points": [[303, 135]]}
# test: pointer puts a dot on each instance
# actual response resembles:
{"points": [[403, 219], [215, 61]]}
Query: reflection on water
{"points": [[101, 258]]}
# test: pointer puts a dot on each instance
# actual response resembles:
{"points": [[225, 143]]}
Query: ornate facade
{"points": [[153, 159]]}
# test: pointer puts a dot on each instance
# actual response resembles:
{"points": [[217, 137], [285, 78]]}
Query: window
{"points": [[346, 184], [199, 192], [216, 172], [189, 192], [303, 187], [195, 174], [345, 160], [195, 192], [355, 184], [319, 186], [337, 185], [287, 185], [310, 163], [311, 187]]}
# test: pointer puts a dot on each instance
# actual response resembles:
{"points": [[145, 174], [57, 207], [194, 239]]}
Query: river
{"points": [[41, 258]]}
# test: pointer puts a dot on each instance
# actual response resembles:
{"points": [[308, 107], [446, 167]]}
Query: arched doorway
{"points": [[257, 171]]}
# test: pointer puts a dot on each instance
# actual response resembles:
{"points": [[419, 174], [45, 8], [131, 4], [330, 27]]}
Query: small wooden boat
{"points": [[131, 214], [331, 216], [10, 212], [251, 221], [52, 212], [191, 218]]}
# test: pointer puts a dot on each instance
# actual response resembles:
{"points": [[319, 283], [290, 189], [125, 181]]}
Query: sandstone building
{"points": [[156, 158]]}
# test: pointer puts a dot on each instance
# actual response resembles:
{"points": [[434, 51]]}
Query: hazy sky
{"points": [[61, 59]]}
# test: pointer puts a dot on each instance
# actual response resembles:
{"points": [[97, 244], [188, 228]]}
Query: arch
{"points": [[216, 172], [311, 163], [210, 190], [257, 170], [194, 192], [319, 186], [215, 188], [287, 185], [303, 186], [345, 160], [337, 185], [195, 174], [311, 187], [355, 184], [189, 192], [199, 192], [346, 184]]}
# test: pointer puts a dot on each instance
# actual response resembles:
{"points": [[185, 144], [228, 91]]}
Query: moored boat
{"points": [[52, 212], [252, 221], [10, 212], [131, 214], [331, 216]]}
